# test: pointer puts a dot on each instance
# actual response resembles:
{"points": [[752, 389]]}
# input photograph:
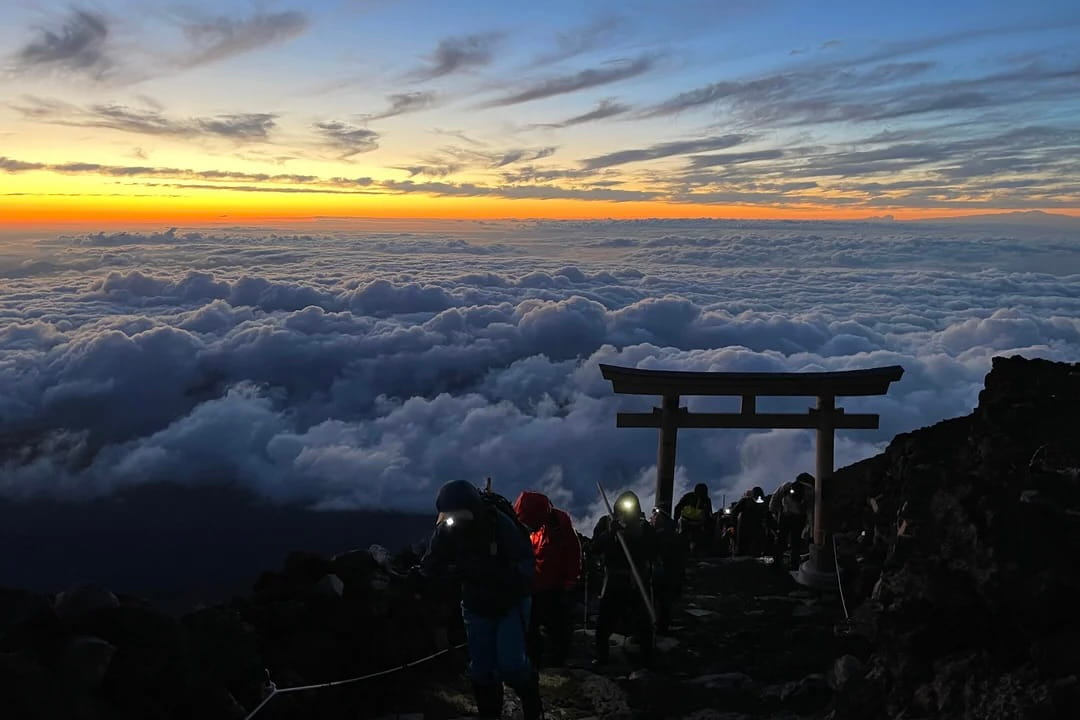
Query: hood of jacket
{"points": [[533, 509]]}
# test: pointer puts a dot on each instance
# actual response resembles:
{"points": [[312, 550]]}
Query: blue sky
{"points": [[833, 107]]}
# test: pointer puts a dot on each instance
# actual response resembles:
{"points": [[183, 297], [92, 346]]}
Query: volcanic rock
{"points": [[973, 537]]}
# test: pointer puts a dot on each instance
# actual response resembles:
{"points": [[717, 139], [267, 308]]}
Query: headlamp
{"points": [[727, 511], [627, 504], [759, 499], [791, 491], [453, 517]]}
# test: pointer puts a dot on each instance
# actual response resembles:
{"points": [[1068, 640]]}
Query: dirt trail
{"points": [[746, 642]]}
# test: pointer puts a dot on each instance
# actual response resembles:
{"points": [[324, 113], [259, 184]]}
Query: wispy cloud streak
{"points": [[589, 78], [218, 38]]}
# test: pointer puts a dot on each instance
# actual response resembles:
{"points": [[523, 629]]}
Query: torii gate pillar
{"points": [[665, 453], [822, 562]]}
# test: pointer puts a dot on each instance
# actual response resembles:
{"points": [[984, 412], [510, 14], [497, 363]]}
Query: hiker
{"points": [[694, 516], [620, 598], [482, 547], [724, 538], [789, 506], [751, 523], [670, 569], [557, 554]]}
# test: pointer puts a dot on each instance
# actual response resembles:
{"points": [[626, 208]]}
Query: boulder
{"points": [[330, 586], [81, 600], [304, 569], [382, 556], [84, 662], [808, 695], [225, 648], [270, 585], [354, 565], [28, 689], [846, 670], [151, 669], [20, 606], [27, 621]]}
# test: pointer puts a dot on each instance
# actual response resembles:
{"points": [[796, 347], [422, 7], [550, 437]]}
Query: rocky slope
{"points": [[961, 545]]}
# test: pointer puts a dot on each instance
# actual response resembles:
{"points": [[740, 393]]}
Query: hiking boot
{"points": [[489, 700], [532, 708]]}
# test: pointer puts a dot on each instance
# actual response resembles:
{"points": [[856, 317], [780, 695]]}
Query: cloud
{"points": [[239, 126], [402, 103], [530, 192], [218, 38], [310, 184], [244, 125], [663, 150], [703, 161], [369, 380], [80, 168], [1022, 167], [517, 155], [79, 46], [530, 174], [12, 166], [459, 53], [868, 91], [591, 77], [348, 139], [715, 92], [604, 109], [436, 169], [452, 159]]}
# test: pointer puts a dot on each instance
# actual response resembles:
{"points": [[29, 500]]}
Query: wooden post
{"points": [[665, 453], [826, 411]]}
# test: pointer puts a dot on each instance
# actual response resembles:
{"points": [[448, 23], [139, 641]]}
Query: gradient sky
{"points": [[121, 111]]}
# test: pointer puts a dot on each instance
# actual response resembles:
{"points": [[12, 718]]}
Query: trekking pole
{"points": [[585, 618], [629, 557]]}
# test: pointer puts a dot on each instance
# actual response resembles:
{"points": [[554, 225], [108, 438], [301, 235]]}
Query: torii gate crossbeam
{"points": [[825, 418]]}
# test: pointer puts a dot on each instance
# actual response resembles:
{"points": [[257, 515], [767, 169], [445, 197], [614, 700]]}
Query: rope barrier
{"points": [[839, 584], [274, 690]]}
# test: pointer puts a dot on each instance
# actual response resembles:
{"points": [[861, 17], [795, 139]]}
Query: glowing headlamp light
{"points": [[727, 511], [453, 517], [627, 504], [759, 500]]}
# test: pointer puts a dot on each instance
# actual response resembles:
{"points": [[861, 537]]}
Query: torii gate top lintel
{"points": [[843, 383]]}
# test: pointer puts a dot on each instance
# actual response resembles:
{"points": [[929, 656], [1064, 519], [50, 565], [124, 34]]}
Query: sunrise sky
{"points": [[126, 111]]}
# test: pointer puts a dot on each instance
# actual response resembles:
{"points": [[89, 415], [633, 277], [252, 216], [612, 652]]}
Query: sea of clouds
{"points": [[364, 368]]}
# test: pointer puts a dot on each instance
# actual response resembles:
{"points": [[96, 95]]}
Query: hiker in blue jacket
{"points": [[480, 546]]}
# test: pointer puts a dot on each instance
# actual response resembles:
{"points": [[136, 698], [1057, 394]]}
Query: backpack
{"points": [[501, 504]]}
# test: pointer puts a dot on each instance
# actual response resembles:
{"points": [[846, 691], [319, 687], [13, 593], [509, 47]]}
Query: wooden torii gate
{"points": [[825, 418]]}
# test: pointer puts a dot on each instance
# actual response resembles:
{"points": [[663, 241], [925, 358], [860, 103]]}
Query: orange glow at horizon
{"points": [[226, 208]]}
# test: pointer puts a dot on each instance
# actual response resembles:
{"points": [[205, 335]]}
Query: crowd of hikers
{"points": [[521, 568]]}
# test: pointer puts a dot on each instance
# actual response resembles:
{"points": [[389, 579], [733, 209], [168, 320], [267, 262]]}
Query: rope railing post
{"points": [[839, 584], [271, 689]]}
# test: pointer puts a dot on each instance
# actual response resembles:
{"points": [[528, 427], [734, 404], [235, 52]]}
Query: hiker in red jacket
{"points": [[558, 567]]}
